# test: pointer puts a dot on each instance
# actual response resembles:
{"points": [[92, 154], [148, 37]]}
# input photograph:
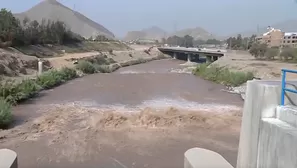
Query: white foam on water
{"points": [[136, 72], [183, 70], [160, 104], [182, 104], [106, 107], [189, 64]]}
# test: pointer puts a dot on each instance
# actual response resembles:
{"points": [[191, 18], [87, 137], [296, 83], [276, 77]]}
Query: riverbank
{"points": [[15, 91], [23, 61], [243, 62], [222, 75], [263, 69]]}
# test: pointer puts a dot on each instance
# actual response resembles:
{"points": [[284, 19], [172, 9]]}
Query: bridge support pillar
{"points": [[208, 59], [174, 55], [189, 57]]}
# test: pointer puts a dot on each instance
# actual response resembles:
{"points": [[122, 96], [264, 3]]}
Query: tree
{"points": [[101, 38], [258, 50], [174, 40], [231, 41], [240, 43], [188, 41], [271, 53], [12, 33], [9, 26], [252, 40], [288, 54], [213, 41], [199, 42]]}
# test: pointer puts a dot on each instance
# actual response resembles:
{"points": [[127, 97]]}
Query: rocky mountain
{"points": [[153, 32], [77, 22], [197, 33], [134, 35]]}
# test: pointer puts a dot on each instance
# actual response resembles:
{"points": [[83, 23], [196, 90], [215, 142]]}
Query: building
{"points": [[277, 38], [289, 40], [273, 38]]}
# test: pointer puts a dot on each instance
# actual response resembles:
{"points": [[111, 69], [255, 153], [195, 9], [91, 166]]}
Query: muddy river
{"points": [[145, 115]]}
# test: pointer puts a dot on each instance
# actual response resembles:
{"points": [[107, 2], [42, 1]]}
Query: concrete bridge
{"points": [[192, 54]]}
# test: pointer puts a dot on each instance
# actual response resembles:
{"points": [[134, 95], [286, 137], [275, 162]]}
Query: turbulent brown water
{"points": [[156, 84], [153, 109]]}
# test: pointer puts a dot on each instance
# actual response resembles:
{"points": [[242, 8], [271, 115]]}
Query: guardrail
{"points": [[284, 83]]}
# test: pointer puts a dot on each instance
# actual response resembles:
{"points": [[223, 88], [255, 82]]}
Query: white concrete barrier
{"points": [[278, 137], [268, 131], [203, 158], [8, 159]]}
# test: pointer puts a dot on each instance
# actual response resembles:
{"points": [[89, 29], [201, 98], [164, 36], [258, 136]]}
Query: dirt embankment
{"points": [[43, 51], [22, 62], [14, 63], [243, 61]]}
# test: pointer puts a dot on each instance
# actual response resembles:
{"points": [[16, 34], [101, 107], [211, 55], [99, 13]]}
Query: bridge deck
{"points": [[217, 52]]}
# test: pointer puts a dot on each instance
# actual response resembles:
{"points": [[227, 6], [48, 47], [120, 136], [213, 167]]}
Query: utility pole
{"points": [[174, 27]]}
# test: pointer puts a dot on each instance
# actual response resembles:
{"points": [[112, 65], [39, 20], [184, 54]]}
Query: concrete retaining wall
{"points": [[8, 159], [203, 158], [268, 134]]}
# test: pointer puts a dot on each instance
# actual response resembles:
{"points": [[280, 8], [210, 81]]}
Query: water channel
{"points": [[155, 85]]}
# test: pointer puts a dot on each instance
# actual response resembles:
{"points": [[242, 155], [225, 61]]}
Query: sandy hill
{"points": [[287, 26], [134, 35], [153, 32], [196, 33], [77, 22]]}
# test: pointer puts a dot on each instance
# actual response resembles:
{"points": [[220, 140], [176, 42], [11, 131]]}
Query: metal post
{"points": [[283, 87], [40, 66]]}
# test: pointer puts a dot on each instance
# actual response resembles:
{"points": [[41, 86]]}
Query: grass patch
{"points": [[86, 67], [14, 92], [54, 78], [222, 75], [5, 113], [94, 65]]}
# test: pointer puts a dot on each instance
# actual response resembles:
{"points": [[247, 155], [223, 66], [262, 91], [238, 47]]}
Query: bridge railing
{"points": [[284, 83]]}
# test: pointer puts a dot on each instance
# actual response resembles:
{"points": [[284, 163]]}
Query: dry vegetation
{"points": [[245, 62]]}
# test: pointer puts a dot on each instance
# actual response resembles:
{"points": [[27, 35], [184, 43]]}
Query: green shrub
{"points": [[9, 91], [86, 67], [101, 60], [14, 92], [5, 113], [68, 73], [27, 89], [222, 75], [50, 79], [103, 68], [111, 61]]}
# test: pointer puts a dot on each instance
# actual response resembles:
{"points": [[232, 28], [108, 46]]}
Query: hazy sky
{"points": [[220, 17]]}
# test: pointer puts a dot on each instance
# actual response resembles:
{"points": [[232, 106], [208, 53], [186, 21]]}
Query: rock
{"points": [[23, 71]]}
